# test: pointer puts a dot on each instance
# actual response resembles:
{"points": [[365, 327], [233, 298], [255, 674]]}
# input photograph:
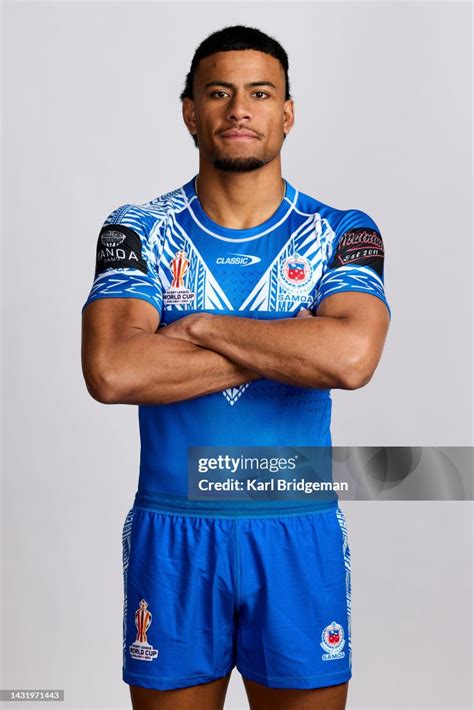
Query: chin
{"points": [[241, 164]]}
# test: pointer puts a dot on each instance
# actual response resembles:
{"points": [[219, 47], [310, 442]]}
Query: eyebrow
{"points": [[232, 86]]}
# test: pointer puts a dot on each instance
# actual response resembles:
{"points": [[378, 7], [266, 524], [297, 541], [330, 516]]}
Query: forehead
{"points": [[239, 67]]}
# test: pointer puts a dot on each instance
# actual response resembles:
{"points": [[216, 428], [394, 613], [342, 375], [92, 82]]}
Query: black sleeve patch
{"points": [[119, 247], [361, 247]]}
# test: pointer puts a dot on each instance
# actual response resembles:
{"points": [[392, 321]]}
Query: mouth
{"points": [[234, 135]]}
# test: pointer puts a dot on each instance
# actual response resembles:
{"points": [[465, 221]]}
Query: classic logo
{"points": [[238, 259], [295, 270], [178, 292], [332, 641], [140, 648]]}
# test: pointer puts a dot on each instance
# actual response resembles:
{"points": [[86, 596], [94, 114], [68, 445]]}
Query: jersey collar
{"points": [[200, 216]]}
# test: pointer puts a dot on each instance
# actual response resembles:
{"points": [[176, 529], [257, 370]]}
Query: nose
{"points": [[238, 108]]}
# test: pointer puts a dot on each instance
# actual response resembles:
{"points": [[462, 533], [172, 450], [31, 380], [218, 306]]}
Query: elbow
{"points": [[104, 387], [355, 373]]}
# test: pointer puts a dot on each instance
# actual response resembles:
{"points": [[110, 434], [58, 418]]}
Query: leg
{"points": [[262, 698], [178, 643], [206, 696], [294, 632]]}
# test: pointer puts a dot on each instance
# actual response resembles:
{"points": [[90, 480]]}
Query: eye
{"points": [[224, 93]]}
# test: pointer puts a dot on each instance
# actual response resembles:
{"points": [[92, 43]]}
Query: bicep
{"points": [[126, 294], [109, 318], [363, 307], [105, 322], [367, 319]]}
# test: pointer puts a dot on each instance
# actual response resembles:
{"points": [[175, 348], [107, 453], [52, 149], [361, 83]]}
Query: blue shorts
{"points": [[269, 595]]}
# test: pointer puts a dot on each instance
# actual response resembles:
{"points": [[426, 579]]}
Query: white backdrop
{"points": [[91, 120]]}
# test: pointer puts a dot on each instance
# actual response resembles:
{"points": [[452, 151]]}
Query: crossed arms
{"points": [[126, 361]]}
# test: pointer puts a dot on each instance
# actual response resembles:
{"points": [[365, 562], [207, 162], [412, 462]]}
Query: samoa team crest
{"points": [[295, 270], [332, 641]]}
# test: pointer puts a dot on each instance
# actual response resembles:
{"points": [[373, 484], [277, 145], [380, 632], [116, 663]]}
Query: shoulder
{"points": [[355, 220], [160, 207], [340, 220], [146, 218]]}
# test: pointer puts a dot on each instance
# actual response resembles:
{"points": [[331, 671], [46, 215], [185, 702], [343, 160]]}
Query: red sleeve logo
{"points": [[360, 247]]}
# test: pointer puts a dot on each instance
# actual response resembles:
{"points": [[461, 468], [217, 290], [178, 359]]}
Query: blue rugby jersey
{"points": [[170, 253]]}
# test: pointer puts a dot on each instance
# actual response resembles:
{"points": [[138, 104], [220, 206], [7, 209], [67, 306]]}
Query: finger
{"points": [[303, 312]]}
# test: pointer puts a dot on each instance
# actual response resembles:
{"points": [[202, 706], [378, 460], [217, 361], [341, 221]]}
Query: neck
{"points": [[240, 200]]}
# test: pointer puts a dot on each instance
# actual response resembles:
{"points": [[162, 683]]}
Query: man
{"points": [[227, 309]]}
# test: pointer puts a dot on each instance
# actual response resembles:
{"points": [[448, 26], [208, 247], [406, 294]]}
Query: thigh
{"points": [[263, 698], [294, 614], [178, 626], [208, 696]]}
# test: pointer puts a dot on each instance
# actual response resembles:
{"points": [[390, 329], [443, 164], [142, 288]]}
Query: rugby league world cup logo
{"points": [[140, 648], [179, 265], [177, 292]]}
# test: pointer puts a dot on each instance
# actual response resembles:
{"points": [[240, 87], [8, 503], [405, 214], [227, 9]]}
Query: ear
{"points": [[288, 116], [189, 115]]}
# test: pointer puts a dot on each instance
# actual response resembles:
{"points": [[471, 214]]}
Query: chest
{"points": [[266, 277]]}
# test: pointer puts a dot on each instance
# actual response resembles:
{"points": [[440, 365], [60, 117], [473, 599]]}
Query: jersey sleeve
{"points": [[354, 259], [126, 258]]}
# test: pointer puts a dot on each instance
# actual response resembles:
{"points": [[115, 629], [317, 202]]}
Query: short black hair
{"points": [[232, 38]]}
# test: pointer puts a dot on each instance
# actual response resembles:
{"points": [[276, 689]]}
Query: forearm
{"points": [[149, 368], [314, 352]]}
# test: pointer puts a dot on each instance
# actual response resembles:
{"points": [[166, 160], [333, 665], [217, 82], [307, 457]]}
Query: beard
{"points": [[238, 165]]}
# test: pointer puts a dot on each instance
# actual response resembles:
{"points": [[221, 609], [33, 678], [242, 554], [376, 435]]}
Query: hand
{"points": [[304, 312], [187, 328]]}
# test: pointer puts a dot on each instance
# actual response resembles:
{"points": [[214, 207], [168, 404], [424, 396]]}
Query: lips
{"points": [[234, 133]]}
